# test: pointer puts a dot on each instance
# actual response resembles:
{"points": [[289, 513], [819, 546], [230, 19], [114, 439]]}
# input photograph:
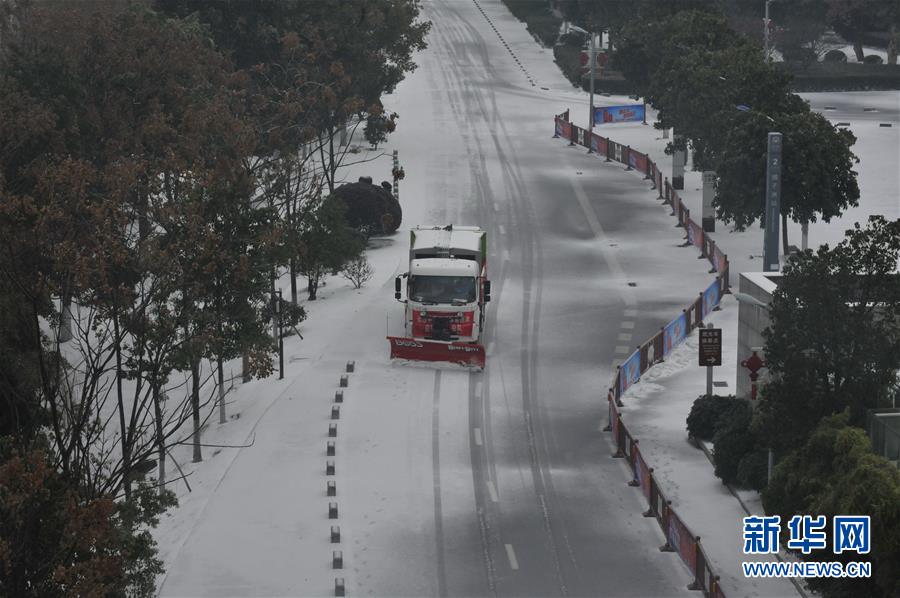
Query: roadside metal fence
{"points": [[654, 350]]}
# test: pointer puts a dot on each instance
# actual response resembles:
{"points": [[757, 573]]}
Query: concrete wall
{"points": [[752, 320]]}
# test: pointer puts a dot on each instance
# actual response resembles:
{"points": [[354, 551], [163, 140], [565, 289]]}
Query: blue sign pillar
{"points": [[773, 203]]}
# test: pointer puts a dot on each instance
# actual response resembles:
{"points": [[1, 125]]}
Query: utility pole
{"points": [[280, 338], [766, 23], [593, 58]]}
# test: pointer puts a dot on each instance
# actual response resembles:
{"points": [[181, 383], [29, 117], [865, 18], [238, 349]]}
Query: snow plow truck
{"points": [[447, 291]]}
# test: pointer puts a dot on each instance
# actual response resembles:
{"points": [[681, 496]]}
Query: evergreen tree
{"points": [[834, 339]]}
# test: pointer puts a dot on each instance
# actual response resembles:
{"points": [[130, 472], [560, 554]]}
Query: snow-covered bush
{"points": [[358, 270], [367, 205]]}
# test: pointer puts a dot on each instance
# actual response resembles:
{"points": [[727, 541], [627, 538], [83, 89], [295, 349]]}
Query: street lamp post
{"points": [[766, 26], [593, 58]]}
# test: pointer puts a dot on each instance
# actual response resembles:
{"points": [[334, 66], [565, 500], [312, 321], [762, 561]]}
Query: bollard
{"points": [[345, 380], [335, 534], [330, 488], [337, 559], [339, 396], [332, 510], [332, 430], [335, 412], [339, 586], [329, 467], [351, 365], [329, 448]]}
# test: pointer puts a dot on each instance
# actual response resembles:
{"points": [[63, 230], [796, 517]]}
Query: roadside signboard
{"points": [[710, 346]]}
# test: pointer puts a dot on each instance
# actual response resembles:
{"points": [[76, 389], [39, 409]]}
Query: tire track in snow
{"points": [[436, 479], [519, 201]]}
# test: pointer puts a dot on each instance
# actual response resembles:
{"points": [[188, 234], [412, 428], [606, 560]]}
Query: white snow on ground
{"points": [[281, 482]]}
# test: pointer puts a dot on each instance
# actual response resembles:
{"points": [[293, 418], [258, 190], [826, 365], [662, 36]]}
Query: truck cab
{"points": [[446, 286]]}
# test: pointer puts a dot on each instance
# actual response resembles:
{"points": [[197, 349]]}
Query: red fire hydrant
{"points": [[754, 364]]}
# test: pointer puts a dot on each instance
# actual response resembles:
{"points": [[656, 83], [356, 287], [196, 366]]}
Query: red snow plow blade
{"points": [[467, 354]]}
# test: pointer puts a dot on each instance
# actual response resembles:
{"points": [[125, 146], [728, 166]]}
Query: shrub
{"points": [[368, 205], [835, 56], [733, 440], [836, 473], [705, 412], [538, 19], [358, 270], [753, 470], [873, 59]]}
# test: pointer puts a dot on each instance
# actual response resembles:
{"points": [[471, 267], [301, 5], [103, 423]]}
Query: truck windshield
{"points": [[442, 289]]}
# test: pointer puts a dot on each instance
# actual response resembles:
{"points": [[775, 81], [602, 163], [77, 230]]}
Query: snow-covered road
{"points": [[451, 482]]}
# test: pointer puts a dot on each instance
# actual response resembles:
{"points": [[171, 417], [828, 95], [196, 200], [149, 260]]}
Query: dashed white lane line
{"points": [[477, 433], [511, 554], [624, 336], [630, 313], [492, 490], [627, 325], [502, 230], [623, 349], [505, 255], [496, 208], [609, 254], [478, 389]]}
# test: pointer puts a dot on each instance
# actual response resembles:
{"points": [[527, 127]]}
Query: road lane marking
{"points": [[627, 325], [511, 554], [505, 255], [623, 349], [502, 230], [630, 313], [477, 433], [492, 490], [624, 336], [609, 254], [496, 208]]}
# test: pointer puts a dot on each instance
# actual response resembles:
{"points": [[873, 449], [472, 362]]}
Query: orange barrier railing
{"points": [[678, 536]]}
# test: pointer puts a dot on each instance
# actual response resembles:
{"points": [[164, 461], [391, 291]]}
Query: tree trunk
{"points": [[126, 457], [293, 266], [804, 231], [222, 417], [858, 50], [160, 438], [65, 317], [245, 367], [195, 407], [312, 285], [784, 235]]}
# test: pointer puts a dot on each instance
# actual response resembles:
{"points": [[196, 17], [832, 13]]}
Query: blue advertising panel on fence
{"points": [[618, 114], [710, 297], [674, 333], [630, 372]]}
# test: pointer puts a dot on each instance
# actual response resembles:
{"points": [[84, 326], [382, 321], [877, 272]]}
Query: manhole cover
{"points": [[632, 284], [720, 384]]}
